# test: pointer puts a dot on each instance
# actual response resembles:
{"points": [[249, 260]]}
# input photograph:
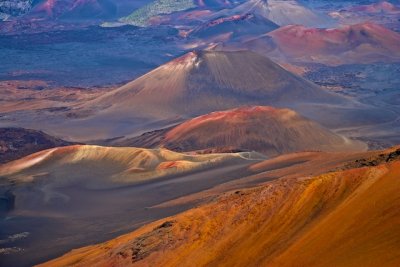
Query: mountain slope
{"points": [[85, 194], [360, 43], [379, 7], [236, 26], [281, 12], [18, 142], [14, 7], [173, 11], [343, 218], [73, 10], [264, 129], [205, 81]]}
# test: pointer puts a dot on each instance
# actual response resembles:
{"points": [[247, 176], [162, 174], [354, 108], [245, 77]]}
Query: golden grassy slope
{"points": [[344, 218]]}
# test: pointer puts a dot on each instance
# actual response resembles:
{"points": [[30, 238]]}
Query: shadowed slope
{"points": [[264, 129], [346, 218], [18, 142]]}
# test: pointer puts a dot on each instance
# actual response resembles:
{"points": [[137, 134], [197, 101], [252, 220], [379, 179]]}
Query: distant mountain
{"points": [[281, 12], [74, 9], [384, 13], [379, 7], [360, 43], [233, 27], [18, 142], [263, 129], [202, 82]]}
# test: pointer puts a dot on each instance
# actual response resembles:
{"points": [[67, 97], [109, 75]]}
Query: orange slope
{"points": [[346, 218]]}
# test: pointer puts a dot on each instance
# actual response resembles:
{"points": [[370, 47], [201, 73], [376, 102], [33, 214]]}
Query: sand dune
{"points": [[343, 218]]}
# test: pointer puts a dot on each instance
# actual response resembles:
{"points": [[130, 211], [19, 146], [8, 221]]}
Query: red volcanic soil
{"points": [[360, 43], [264, 129]]}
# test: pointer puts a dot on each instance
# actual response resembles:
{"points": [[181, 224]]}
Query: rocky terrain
{"points": [[16, 143]]}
